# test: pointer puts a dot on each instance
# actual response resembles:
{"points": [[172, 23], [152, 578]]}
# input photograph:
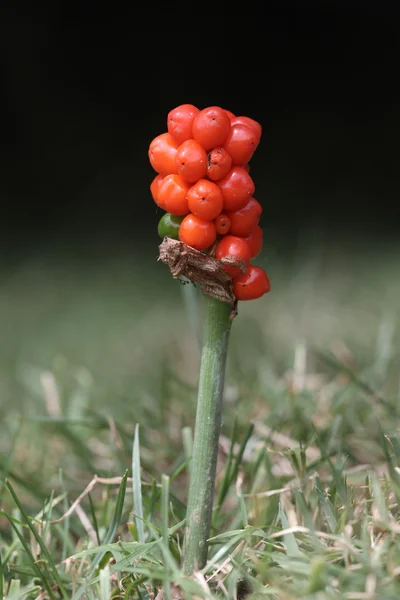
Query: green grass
{"points": [[98, 374]]}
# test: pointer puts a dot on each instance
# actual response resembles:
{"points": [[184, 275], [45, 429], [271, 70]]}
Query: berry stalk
{"points": [[207, 429]]}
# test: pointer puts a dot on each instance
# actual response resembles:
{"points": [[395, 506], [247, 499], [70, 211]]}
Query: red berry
{"points": [[252, 284], [191, 161], [230, 115], [173, 195], [155, 188], [241, 143], [211, 127], [219, 163], [222, 223], [205, 199], [255, 241], [180, 121], [249, 123], [235, 247], [246, 219], [237, 188], [197, 233], [162, 152]]}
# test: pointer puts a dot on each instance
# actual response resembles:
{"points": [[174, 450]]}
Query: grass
{"points": [[98, 373]]}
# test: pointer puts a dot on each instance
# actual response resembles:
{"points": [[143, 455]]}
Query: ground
{"points": [[309, 468]]}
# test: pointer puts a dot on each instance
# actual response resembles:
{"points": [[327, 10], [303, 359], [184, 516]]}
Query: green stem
{"points": [[208, 424]]}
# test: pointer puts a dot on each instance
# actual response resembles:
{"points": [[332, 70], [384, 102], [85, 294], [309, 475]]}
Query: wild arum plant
{"points": [[211, 233]]}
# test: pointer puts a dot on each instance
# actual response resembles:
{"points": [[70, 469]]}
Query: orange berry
{"points": [[222, 223], [241, 143], [255, 241], [197, 233], [162, 152], [230, 115], [237, 188], [155, 188], [205, 199], [211, 127], [219, 163], [235, 247], [180, 121], [252, 284], [191, 161], [246, 219], [249, 123], [173, 195]]}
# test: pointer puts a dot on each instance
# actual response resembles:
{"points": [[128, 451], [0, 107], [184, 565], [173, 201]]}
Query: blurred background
{"points": [[84, 89]]}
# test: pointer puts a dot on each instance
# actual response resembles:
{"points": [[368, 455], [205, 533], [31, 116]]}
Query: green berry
{"points": [[169, 226]]}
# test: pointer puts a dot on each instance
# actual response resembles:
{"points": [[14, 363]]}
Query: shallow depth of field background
{"points": [[82, 297], [94, 334]]}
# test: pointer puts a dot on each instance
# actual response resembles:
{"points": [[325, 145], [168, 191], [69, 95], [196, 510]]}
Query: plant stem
{"points": [[208, 424]]}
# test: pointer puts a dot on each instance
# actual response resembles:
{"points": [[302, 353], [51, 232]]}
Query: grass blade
{"points": [[15, 586], [233, 465], [326, 507], [40, 541], [7, 460], [115, 521], [239, 457], [65, 525], [105, 586], [94, 519], [153, 501], [134, 549], [137, 487], [1, 577], [165, 509], [38, 572], [379, 499], [119, 505], [289, 540], [226, 480], [164, 528]]}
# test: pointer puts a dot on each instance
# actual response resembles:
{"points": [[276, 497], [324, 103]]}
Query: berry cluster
{"points": [[203, 184]]}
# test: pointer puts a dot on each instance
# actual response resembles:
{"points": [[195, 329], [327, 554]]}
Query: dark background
{"points": [[86, 86]]}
